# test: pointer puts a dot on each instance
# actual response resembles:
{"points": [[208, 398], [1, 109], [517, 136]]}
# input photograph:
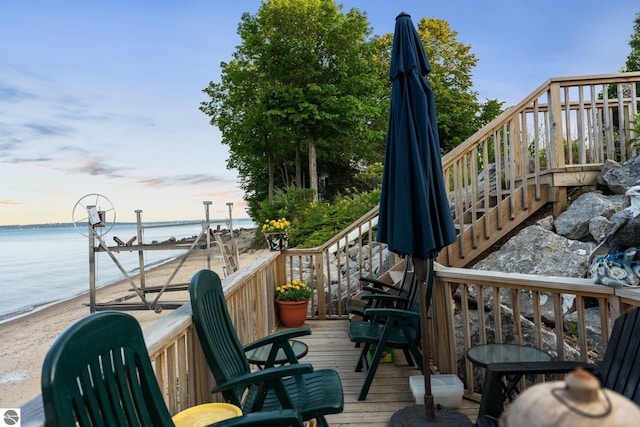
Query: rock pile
{"points": [[561, 247]]}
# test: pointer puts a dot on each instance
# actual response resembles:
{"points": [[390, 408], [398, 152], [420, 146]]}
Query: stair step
{"points": [[396, 275]]}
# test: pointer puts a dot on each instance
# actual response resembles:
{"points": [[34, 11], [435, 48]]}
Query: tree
{"points": [[301, 75], [459, 112], [633, 60], [254, 142], [308, 76], [631, 64]]}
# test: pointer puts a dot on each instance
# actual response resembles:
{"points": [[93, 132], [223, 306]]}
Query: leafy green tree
{"points": [[631, 64], [255, 143], [318, 222], [633, 60], [308, 82], [301, 76], [489, 111], [459, 112]]}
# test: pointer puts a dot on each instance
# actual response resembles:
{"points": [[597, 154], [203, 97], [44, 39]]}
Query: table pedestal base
{"points": [[415, 416]]}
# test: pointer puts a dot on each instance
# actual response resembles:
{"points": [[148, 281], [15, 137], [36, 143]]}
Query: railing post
{"points": [[557, 143], [320, 285], [441, 322]]}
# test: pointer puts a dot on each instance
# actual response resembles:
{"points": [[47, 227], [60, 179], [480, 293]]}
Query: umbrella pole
{"points": [[422, 267], [418, 415]]}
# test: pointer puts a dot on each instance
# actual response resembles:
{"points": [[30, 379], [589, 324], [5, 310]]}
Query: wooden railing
{"points": [[176, 354], [186, 381], [334, 268], [249, 295], [534, 163], [472, 307]]}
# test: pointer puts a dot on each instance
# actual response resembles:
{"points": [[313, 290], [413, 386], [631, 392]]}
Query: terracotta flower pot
{"points": [[292, 314]]}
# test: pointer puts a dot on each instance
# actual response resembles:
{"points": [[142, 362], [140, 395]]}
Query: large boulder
{"points": [[536, 250], [575, 221], [618, 178]]}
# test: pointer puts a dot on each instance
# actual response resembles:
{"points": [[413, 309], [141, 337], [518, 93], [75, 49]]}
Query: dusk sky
{"points": [[103, 96]]}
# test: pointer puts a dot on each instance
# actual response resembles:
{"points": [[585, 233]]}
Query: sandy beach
{"points": [[28, 338]]}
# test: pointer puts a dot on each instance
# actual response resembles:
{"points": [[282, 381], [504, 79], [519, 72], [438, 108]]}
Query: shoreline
{"points": [[28, 336], [244, 239]]}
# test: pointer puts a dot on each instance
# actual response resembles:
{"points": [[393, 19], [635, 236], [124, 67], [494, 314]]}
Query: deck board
{"points": [[329, 347]]}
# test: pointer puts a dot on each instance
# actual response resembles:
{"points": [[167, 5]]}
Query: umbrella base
{"points": [[415, 416]]}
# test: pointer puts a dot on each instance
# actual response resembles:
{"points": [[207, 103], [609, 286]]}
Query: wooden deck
{"points": [[329, 347]]}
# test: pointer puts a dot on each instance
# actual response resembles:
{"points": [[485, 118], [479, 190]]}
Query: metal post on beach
{"points": [[140, 251], [206, 204], [92, 265]]}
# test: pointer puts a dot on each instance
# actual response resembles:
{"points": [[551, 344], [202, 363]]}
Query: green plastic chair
{"points": [[394, 322], [371, 286], [98, 373], [314, 393]]}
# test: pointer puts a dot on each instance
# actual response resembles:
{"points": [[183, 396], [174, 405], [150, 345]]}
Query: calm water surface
{"points": [[41, 264]]}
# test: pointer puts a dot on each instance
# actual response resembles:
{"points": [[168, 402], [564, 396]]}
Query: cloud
{"points": [[23, 142], [94, 166], [189, 180], [12, 94], [35, 159], [49, 130], [8, 144], [204, 178], [152, 182], [10, 203], [53, 154]]}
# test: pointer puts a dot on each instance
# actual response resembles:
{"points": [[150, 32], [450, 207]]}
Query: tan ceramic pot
{"points": [[577, 402]]}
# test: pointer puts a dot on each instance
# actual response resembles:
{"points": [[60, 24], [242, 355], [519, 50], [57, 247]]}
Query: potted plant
{"points": [[276, 232], [292, 300]]}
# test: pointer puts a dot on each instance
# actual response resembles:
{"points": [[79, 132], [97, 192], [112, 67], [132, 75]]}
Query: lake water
{"points": [[41, 264]]}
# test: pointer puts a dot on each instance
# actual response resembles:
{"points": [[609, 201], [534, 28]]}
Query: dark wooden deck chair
{"points": [[98, 373], [619, 371], [389, 326], [357, 306], [314, 393]]}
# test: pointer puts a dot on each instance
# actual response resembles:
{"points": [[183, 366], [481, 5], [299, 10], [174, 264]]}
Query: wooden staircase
{"points": [[556, 138], [483, 230]]}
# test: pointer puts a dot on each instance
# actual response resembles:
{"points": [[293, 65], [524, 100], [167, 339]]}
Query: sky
{"points": [[102, 97]]}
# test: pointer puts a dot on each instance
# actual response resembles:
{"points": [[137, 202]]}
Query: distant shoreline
{"points": [[177, 222]]}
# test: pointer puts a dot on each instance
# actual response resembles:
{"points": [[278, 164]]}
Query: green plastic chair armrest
{"points": [[395, 312], [278, 337], [266, 375]]}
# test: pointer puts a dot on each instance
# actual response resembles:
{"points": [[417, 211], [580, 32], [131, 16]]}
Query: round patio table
{"points": [[260, 356], [485, 354]]}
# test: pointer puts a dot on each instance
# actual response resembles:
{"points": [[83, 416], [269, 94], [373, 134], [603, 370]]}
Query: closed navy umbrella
{"points": [[415, 219]]}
